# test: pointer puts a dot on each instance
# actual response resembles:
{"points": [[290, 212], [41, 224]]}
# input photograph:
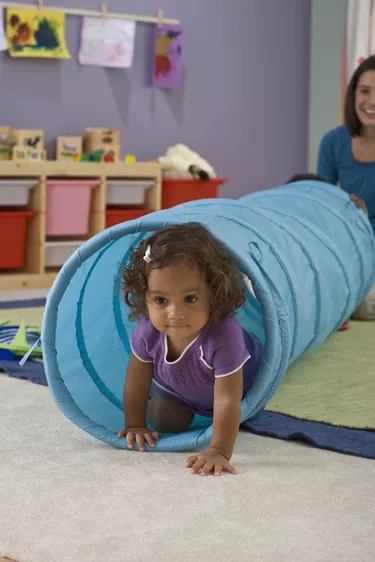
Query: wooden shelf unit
{"points": [[34, 274]]}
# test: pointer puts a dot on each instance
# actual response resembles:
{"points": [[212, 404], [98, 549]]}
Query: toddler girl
{"points": [[188, 349]]}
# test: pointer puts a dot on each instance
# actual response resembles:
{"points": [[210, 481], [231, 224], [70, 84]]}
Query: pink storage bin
{"points": [[68, 207]]}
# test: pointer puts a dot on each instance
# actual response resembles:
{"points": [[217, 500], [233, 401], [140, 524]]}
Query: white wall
{"points": [[328, 19]]}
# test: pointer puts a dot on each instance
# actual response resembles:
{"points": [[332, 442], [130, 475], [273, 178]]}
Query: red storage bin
{"points": [[13, 226], [117, 216], [181, 190]]}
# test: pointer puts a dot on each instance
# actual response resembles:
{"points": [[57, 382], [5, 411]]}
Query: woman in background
{"points": [[347, 153]]}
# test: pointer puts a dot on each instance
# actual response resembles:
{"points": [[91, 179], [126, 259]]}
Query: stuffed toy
{"points": [[181, 162], [366, 310]]}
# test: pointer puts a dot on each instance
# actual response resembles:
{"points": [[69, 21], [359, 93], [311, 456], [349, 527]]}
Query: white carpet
{"points": [[65, 497]]}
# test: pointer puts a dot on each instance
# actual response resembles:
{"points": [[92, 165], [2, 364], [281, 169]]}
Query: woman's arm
{"points": [[327, 168], [227, 412]]}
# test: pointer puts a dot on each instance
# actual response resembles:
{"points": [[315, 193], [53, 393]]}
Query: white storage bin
{"points": [[15, 193], [58, 252], [127, 192]]}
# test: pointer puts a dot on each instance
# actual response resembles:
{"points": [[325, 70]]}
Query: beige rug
{"points": [[33, 316], [65, 497]]}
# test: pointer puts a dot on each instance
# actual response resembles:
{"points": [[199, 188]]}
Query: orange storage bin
{"points": [[117, 216], [13, 225], [181, 190]]}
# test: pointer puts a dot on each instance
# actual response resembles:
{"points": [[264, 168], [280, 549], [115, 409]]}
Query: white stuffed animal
{"points": [[366, 310], [181, 162]]}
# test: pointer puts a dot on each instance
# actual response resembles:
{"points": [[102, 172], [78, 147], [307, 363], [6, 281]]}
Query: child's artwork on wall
{"points": [[3, 39], [36, 33], [167, 68], [107, 42]]}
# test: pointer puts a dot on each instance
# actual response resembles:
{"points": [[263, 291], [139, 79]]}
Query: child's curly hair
{"points": [[194, 243]]}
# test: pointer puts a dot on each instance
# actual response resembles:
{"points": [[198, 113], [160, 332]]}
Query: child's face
{"points": [[178, 301], [365, 98]]}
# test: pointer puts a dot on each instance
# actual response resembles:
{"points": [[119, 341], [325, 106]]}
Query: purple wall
{"points": [[243, 104]]}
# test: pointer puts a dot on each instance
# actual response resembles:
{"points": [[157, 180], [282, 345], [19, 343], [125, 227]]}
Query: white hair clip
{"points": [[147, 256]]}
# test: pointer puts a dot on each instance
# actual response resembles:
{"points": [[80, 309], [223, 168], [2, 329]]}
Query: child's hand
{"points": [[209, 463], [140, 435], [359, 203]]}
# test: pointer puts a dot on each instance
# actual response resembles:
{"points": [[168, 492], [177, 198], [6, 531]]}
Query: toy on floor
{"points": [[297, 247], [181, 162], [366, 310], [21, 342], [16, 341]]}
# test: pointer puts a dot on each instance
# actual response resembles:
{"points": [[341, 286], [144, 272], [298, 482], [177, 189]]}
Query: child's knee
{"points": [[166, 417]]}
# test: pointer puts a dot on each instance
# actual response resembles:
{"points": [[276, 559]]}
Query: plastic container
{"points": [[15, 193], [181, 190], [117, 216], [68, 207], [127, 192], [13, 225], [56, 253]]}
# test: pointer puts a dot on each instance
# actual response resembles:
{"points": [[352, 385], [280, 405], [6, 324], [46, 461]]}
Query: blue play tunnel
{"points": [[310, 256]]}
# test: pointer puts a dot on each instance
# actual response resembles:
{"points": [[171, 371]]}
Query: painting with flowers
{"points": [[36, 33]]}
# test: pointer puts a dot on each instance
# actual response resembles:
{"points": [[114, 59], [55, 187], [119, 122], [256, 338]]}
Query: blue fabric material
{"points": [[356, 442], [336, 164], [28, 303], [308, 251], [32, 371]]}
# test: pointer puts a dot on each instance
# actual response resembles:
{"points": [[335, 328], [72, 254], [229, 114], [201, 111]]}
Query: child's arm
{"points": [[227, 413], [136, 392], [226, 421]]}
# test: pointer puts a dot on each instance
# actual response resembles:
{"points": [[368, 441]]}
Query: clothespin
{"points": [[160, 18], [40, 5], [103, 10]]}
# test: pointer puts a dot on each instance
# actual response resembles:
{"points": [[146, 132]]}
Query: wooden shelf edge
{"points": [[51, 168]]}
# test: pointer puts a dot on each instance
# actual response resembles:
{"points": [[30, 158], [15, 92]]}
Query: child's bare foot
{"points": [[344, 327]]}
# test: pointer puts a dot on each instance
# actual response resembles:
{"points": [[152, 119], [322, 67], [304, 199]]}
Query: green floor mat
{"points": [[335, 384]]}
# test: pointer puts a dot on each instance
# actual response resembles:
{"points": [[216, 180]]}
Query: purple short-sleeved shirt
{"points": [[218, 351]]}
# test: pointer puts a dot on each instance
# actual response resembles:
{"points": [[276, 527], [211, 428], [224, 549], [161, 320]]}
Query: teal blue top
{"points": [[336, 165]]}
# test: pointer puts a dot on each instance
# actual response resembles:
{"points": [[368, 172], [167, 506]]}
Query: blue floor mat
{"points": [[27, 303], [32, 371], [357, 442]]}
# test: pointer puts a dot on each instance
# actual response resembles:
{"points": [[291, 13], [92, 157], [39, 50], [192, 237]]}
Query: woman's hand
{"points": [[140, 435], [209, 463], [359, 203]]}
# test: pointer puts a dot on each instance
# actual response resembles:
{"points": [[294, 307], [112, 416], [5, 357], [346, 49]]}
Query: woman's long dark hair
{"points": [[351, 118]]}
